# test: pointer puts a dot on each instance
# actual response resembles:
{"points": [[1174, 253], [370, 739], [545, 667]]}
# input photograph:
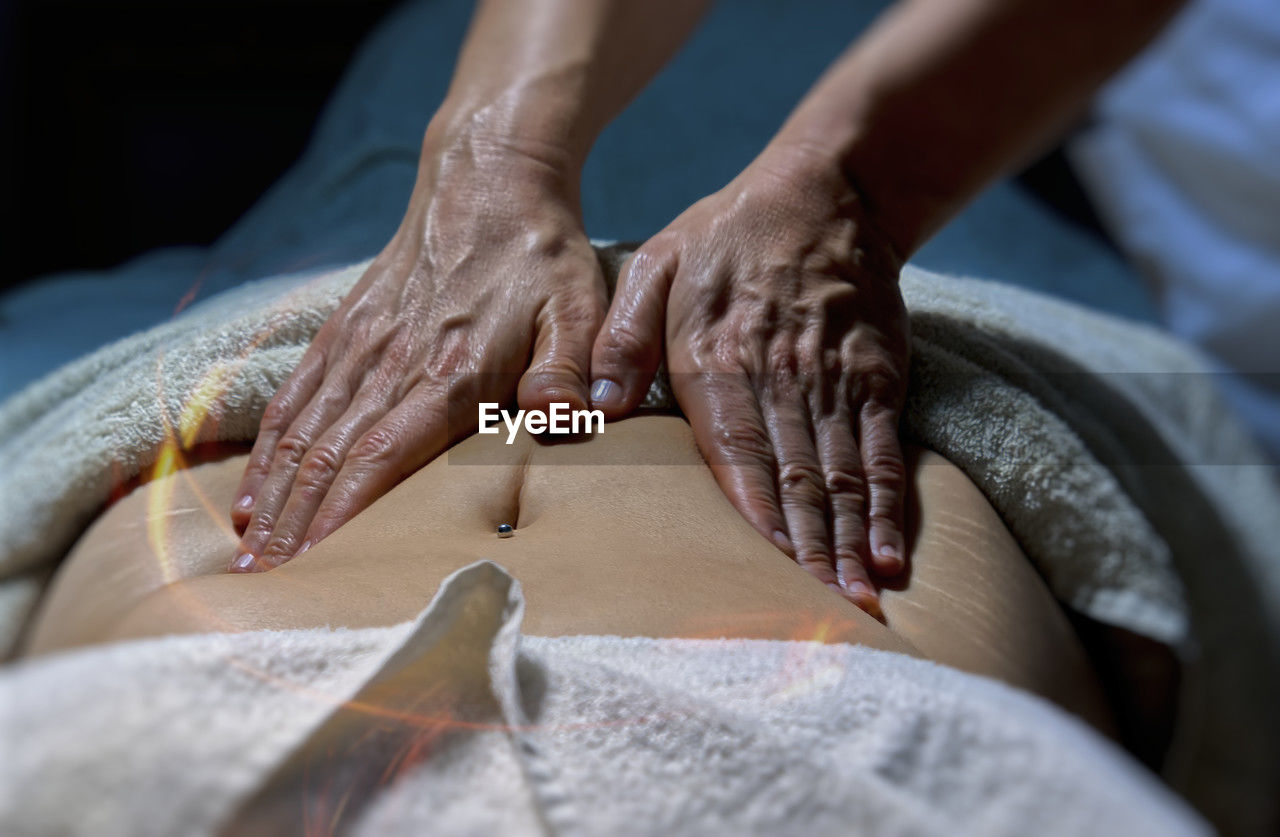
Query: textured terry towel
{"points": [[1100, 442], [273, 732]]}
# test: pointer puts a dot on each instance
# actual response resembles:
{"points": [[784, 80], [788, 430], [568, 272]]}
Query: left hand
{"points": [[489, 291], [787, 342]]}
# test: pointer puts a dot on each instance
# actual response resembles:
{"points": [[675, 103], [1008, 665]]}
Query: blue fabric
{"points": [[688, 134]]}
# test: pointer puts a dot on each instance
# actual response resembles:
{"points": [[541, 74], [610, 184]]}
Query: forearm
{"points": [[941, 96], [543, 77]]}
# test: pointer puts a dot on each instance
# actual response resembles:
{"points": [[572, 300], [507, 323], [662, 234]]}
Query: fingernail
{"points": [[781, 540], [861, 594], [889, 556], [243, 563], [857, 587], [305, 546], [604, 392], [245, 503]]}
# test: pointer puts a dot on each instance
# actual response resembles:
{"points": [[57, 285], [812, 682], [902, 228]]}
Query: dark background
{"points": [[132, 124]]}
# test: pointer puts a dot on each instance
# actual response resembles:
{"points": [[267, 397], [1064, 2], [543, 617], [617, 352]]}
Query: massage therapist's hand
{"points": [[786, 339], [489, 281]]}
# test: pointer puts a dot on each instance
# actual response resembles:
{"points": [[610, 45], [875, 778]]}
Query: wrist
{"points": [[474, 152], [816, 170], [536, 121], [896, 152]]}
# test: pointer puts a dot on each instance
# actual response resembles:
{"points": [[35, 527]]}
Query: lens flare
{"points": [[172, 463]]}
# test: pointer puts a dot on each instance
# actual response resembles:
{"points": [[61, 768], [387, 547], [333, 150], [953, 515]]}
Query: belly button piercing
{"points": [[505, 530]]}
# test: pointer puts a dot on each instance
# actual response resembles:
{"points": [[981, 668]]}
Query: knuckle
{"points": [[559, 365], [884, 519], [815, 561], [885, 470], [810, 356], [277, 416], [845, 484], [399, 354], [835, 298], [291, 448], [649, 263], [800, 480], [258, 467], [721, 349], [880, 382], [376, 447], [753, 327], [280, 549], [437, 386], [756, 501], [808, 378], [623, 345], [556, 379], [334, 396], [363, 329], [886, 388], [453, 353], [885, 508], [260, 528], [783, 359], [743, 440], [879, 434], [385, 383], [319, 467], [847, 554], [882, 516]]}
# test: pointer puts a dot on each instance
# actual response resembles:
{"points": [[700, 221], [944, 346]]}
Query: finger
{"points": [[330, 401], [847, 500], [801, 491], [414, 432], [279, 415], [629, 347], [886, 482], [320, 467], [724, 414], [561, 357]]}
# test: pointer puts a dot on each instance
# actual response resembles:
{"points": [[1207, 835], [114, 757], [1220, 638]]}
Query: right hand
{"points": [[788, 345], [490, 280]]}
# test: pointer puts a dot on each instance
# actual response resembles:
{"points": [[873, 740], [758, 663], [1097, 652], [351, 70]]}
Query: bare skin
{"points": [[784, 279], [679, 561], [790, 360], [489, 290]]}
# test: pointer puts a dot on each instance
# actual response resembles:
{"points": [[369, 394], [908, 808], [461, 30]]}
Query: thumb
{"points": [[629, 345], [557, 370]]}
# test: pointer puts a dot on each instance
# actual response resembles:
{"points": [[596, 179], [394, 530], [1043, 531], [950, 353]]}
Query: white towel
{"points": [[525, 735]]}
